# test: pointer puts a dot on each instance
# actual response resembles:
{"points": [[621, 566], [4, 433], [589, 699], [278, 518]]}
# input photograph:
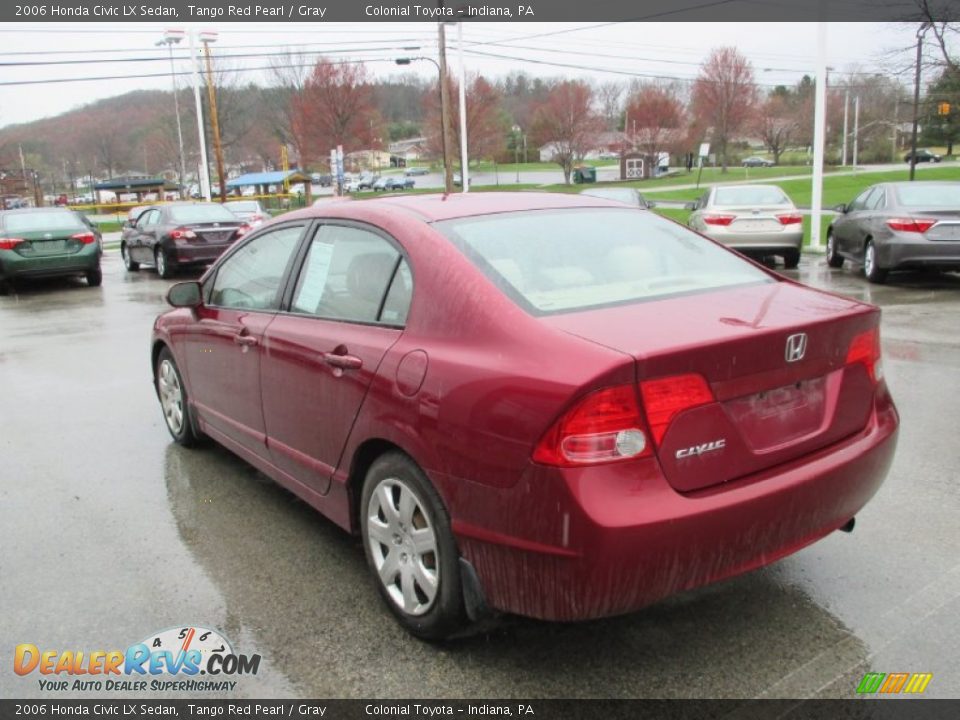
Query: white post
{"points": [[846, 113], [204, 168], [464, 160], [819, 132], [856, 128]]}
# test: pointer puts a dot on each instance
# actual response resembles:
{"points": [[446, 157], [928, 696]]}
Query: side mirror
{"points": [[185, 294], [651, 204], [841, 208], [128, 223], [690, 206]]}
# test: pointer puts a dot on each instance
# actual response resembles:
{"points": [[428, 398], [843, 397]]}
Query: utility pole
{"points": [[206, 38], [445, 112], [921, 31]]}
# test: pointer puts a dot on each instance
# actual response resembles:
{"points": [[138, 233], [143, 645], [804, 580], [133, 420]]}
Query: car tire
{"points": [[174, 403], [95, 277], [410, 548], [127, 262], [834, 259], [162, 263], [871, 269], [791, 259]]}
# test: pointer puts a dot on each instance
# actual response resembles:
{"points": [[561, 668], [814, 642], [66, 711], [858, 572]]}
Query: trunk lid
{"points": [[767, 409], [213, 233], [56, 241]]}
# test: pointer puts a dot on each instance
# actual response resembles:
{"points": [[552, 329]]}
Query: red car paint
{"points": [[472, 383]]}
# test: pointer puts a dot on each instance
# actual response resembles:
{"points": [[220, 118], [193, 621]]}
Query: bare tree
{"points": [[568, 123], [610, 103], [726, 94]]}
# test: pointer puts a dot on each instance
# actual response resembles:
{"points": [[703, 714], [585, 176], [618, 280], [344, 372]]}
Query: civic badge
{"points": [[796, 347]]}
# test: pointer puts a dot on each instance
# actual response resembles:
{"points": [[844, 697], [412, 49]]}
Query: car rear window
{"points": [[750, 196], [553, 261], [924, 195], [53, 220], [201, 214], [242, 206]]}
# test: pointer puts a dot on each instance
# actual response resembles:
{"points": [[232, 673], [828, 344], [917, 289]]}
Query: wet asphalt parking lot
{"points": [[109, 533]]}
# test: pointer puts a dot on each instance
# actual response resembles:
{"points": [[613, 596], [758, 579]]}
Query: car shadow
{"points": [[299, 586]]}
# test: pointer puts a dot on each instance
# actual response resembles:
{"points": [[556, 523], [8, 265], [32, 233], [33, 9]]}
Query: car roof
{"points": [[438, 207]]}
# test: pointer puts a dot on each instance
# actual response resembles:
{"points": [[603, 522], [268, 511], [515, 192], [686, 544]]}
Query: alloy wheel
{"points": [[171, 396], [403, 545]]}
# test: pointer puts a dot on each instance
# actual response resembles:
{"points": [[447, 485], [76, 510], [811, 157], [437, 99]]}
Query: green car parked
{"points": [[46, 242]]}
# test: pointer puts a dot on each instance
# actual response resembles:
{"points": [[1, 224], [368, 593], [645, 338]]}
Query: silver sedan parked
{"points": [[898, 226], [756, 220]]}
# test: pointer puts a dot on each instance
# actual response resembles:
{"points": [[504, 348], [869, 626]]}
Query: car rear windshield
{"points": [[31, 221], [243, 206], [750, 196], [553, 261], [201, 214], [923, 195]]}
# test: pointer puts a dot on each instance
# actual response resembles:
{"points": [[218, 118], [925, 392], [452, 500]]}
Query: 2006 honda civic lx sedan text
{"points": [[555, 406]]}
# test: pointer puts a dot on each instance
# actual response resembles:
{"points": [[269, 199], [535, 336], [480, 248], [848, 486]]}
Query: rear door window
{"points": [[347, 275]]}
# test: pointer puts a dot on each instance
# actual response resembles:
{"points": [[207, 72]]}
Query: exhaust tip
{"points": [[848, 527]]}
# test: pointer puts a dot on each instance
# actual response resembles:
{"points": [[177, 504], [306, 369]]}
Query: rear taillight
{"points": [[603, 427], [915, 225], [865, 348], [182, 233], [665, 398], [87, 238], [9, 243], [722, 220], [790, 218], [243, 230], [257, 218]]}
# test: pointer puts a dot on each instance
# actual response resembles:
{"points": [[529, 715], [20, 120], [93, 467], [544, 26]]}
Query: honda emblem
{"points": [[796, 347]]}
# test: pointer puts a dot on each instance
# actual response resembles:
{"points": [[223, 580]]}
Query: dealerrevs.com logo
{"points": [[183, 654]]}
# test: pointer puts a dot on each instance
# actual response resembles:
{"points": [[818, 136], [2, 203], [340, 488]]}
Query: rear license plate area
{"points": [[772, 418]]}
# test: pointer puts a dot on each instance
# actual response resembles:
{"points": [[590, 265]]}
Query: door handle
{"points": [[343, 362], [245, 340]]}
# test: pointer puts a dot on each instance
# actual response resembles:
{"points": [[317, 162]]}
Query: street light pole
{"points": [[206, 38], [846, 115], [204, 172], [921, 31], [819, 134], [171, 38], [448, 174]]}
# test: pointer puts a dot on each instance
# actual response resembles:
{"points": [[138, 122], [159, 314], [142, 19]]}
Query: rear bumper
{"points": [[763, 243], [906, 252], [576, 544], [197, 254], [13, 265]]}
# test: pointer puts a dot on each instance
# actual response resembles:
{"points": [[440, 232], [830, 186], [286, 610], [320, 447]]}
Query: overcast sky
{"points": [[781, 52]]}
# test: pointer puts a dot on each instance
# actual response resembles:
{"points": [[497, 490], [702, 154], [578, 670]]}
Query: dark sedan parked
{"points": [[46, 242], [923, 156], [898, 226], [180, 235], [538, 403]]}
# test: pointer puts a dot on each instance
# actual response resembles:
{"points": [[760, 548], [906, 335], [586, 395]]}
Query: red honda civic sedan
{"points": [[549, 405]]}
